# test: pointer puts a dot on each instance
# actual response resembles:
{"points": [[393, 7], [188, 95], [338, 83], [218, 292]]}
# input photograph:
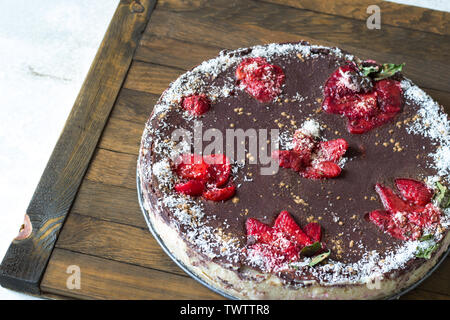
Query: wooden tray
{"points": [[85, 210]]}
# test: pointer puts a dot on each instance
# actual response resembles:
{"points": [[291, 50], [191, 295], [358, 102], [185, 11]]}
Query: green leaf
{"points": [[426, 252], [319, 258], [426, 237], [388, 70], [366, 71], [442, 197], [310, 250]]}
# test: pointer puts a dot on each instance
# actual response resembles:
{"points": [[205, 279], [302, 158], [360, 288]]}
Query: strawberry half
{"points": [[219, 169], [391, 201], [216, 194], [260, 79], [332, 150], [286, 224], [196, 104], [322, 170], [191, 188], [192, 166], [414, 191], [313, 231]]}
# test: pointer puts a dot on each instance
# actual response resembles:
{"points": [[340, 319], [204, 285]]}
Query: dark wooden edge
{"points": [[26, 259]]}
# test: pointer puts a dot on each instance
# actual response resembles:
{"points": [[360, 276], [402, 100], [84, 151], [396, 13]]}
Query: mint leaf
{"points": [[426, 252], [319, 258], [442, 197], [388, 70], [426, 237], [310, 250], [367, 70]]}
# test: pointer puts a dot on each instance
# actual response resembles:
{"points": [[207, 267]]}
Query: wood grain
{"points": [[107, 279], [111, 203], [24, 264], [429, 70], [392, 14], [243, 16], [114, 241], [113, 168]]}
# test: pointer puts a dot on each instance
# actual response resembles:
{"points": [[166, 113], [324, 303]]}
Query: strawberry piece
{"points": [[322, 170], [216, 194], [426, 216], [262, 232], [285, 223], [255, 227], [192, 166], [219, 169], [196, 104], [386, 223], [288, 159], [414, 191], [313, 231], [191, 188], [332, 150], [260, 79], [391, 201], [389, 95]]}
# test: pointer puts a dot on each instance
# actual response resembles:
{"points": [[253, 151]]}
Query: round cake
{"points": [[298, 171]]}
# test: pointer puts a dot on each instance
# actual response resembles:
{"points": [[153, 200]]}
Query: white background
{"points": [[46, 48]]}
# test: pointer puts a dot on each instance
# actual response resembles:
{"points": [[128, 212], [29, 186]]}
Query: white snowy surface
{"points": [[442, 5], [46, 48]]}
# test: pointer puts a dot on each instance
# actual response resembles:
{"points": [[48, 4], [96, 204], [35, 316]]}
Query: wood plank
{"points": [[112, 203], [392, 14], [113, 168], [175, 53], [134, 106], [150, 78], [24, 263], [245, 15], [122, 135], [224, 34], [107, 279], [418, 294], [114, 241]]}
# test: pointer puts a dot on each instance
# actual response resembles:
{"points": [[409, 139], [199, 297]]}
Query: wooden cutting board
{"points": [[85, 211]]}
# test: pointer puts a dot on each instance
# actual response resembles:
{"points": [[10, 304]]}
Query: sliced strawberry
{"points": [[285, 223], [219, 169], [389, 95], [391, 201], [260, 79], [216, 194], [191, 188], [196, 104], [262, 232], [426, 216], [192, 167], [414, 191], [288, 159], [332, 150], [322, 170], [313, 231], [360, 105], [386, 223], [255, 227]]}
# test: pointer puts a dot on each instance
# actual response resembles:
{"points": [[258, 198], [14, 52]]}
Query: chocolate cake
{"points": [[298, 171]]}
